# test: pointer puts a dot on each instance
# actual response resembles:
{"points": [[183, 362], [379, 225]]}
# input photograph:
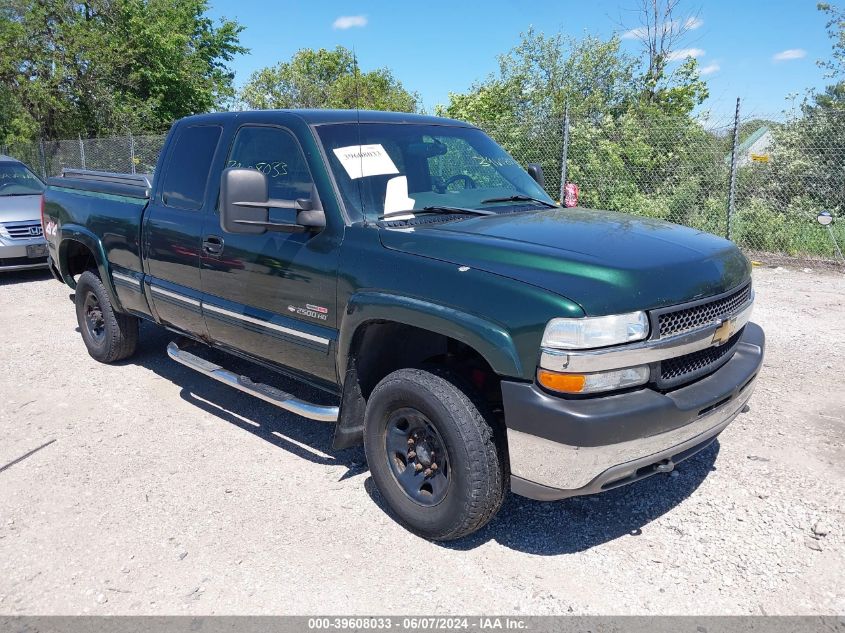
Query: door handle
{"points": [[212, 245]]}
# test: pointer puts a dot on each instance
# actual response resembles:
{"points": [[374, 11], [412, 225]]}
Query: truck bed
{"points": [[131, 185], [102, 211]]}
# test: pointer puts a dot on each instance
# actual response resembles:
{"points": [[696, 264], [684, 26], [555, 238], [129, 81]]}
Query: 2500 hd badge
{"points": [[311, 311]]}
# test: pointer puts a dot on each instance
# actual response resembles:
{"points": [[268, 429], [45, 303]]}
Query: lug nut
{"points": [[418, 467], [410, 440], [434, 467], [412, 454], [427, 472]]}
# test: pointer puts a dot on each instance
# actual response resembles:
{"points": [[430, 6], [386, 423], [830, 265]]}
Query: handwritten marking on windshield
{"points": [[489, 161]]}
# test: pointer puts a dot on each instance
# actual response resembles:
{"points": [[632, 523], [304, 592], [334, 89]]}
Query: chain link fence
{"points": [[761, 181], [126, 154]]}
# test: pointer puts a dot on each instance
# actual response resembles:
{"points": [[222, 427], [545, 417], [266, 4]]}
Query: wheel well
{"points": [[78, 258], [380, 348]]}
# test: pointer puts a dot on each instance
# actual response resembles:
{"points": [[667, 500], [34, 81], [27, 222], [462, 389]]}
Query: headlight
{"points": [[593, 383], [593, 332]]}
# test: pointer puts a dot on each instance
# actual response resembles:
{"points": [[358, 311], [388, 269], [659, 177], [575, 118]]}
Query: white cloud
{"points": [[635, 34], [789, 53], [684, 53], [349, 21], [709, 69], [690, 24], [693, 23]]}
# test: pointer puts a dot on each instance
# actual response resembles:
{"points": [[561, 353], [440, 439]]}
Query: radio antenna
{"points": [[358, 120]]}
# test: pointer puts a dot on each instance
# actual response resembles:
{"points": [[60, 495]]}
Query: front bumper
{"points": [[13, 255], [566, 447]]}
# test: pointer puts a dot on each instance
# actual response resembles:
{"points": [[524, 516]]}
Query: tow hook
{"points": [[666, 466]]}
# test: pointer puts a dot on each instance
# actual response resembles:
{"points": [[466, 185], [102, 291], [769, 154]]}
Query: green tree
{"points": [[595, 77], [836, 30], [623, 125], [108, 66], [661, 32], [543, 73], [676, 95], [326, 79]]}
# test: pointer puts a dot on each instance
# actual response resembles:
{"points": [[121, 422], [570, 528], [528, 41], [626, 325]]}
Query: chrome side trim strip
{"points": [[280, 398], [649, 351], [235, 315], [126, 278], [267, 324], [174, 295]]}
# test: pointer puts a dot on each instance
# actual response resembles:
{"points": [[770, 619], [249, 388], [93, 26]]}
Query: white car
{"points": [[22, 244]]}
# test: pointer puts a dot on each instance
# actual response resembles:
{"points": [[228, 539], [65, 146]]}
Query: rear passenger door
{"points": [[173, 228]]}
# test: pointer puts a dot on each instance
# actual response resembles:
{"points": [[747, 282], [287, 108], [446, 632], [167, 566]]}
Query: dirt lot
{"points": [[163, 492]]}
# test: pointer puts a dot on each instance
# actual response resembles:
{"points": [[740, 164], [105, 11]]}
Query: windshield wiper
{"points": [[521, 198], [437, 209]]}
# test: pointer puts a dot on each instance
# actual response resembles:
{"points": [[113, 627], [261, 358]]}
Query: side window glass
{"points": [[275, 153], [187, 170]]}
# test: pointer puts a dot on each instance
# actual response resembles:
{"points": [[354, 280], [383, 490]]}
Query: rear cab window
{"points": [[187, 172]]}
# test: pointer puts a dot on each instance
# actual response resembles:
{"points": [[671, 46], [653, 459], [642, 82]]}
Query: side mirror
{"points": [[535, 170], [245, 205]]}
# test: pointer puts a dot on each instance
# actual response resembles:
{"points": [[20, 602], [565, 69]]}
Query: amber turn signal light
{"points": [[593, 383], [566, 383]]}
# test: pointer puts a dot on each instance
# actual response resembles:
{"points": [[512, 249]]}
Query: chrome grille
{"points": [[683, 369], [688, 319], [20, 230]]}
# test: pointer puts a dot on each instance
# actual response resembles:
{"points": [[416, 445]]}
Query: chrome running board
{"points": [[267, 393]]}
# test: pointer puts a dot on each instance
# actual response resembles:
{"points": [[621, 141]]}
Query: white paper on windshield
{"points": [[396, 198], [365, 160]]}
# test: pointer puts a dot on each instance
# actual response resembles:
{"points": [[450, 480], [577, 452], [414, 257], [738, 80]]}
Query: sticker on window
{"points": [[365, 160]]}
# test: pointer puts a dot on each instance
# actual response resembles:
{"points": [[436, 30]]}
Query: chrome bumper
{"points": [[561, 448], [563, 467], [16, 250]]}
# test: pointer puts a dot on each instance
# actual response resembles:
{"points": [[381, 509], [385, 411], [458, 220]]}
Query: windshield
{"points": [[17, 180], [402, 167]]}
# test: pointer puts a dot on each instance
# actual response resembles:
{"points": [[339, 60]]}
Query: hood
{"points": [[20, 208], [606, 262]]}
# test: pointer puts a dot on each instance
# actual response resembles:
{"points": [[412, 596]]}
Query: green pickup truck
{"points": [[476, 336]]}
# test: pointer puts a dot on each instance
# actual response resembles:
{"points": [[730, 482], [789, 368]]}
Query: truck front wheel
{"points": [[433, 455], [109, 336]]}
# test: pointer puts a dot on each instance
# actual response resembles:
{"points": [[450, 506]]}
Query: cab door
{"points": [[173, 228], [273, 295]]}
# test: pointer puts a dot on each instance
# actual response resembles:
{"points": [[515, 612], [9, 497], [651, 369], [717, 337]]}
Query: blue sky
{"points": [[760, 51]]}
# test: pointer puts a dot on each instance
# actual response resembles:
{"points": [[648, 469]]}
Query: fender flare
{"points": [[76, 233], [486, 337]]}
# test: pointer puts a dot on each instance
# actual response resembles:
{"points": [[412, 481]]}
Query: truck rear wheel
{"points": [[109, 336], [433, 455]]}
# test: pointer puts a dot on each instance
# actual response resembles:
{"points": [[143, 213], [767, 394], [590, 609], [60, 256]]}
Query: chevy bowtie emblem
{"points": [[723, 332]]}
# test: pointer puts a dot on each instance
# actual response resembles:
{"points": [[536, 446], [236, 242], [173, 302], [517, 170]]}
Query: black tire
{"points": [[109, 336], [475, 462]]}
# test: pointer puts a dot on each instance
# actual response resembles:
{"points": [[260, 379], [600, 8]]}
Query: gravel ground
{"points": [[158, 491]]}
